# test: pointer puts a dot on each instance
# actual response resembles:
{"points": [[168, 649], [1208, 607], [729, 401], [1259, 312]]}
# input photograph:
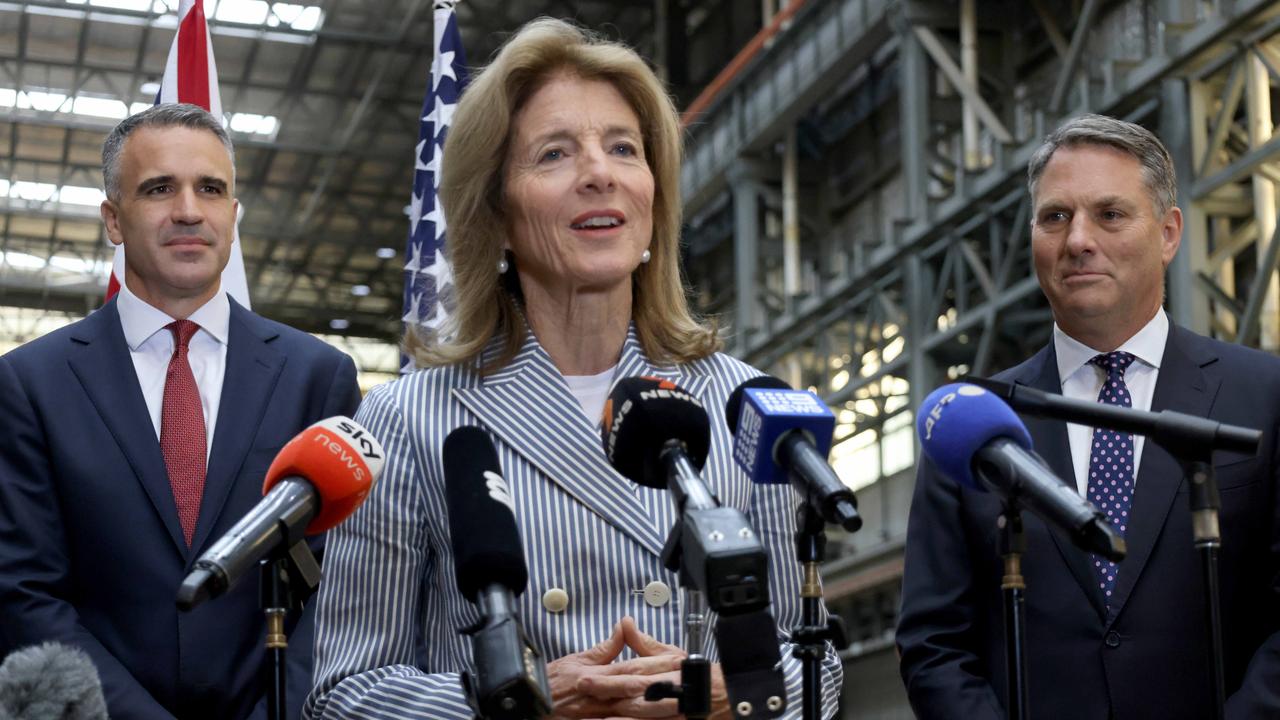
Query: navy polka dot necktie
{"points": [[1111, 463]]}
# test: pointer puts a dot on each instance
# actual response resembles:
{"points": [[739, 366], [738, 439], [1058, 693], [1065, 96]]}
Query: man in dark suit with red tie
{"points": [[135, 438], [1107, 641]]}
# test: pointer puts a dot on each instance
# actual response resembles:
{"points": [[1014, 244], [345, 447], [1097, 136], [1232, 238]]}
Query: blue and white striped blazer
{"points": [[389, 614]]}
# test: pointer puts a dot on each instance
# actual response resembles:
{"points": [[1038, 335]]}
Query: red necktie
{"points": [[182, 437]]}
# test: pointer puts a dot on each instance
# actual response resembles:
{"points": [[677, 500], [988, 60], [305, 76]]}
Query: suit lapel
{"points": [[1049, 438], [101, 362], [530, 408], [1182, 385], [253, 367]]}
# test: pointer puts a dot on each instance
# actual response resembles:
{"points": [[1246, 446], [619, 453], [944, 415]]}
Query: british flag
{"points": [[427, 275]]}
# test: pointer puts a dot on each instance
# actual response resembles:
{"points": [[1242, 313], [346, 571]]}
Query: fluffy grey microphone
{"points": [[50, 682]]}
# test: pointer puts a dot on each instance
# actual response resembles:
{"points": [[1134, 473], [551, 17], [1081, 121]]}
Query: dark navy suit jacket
{"points": [[1147, 655], [91, 550]]}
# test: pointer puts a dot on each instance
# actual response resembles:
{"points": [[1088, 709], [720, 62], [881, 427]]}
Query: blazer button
{"points": [[657, 594], [1113, 639], [555, 600]]}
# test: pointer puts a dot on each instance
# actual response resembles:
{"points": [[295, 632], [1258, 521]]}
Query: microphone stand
{"points": [[1189, 439], [1208, 540], [810, 637], [287, 579], [693, 697], [1013, 543]]}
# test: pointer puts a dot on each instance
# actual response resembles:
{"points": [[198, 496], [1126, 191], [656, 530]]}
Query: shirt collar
{"points": [[1147, 345], [140, 320]]}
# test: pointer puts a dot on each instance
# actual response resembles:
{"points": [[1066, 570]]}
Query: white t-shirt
{"points": [[592, 391]]}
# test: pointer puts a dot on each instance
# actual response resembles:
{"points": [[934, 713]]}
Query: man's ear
{"points": [[1170, 234], [111, 219]]}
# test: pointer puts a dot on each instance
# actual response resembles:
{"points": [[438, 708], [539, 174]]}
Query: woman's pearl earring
{"points": [[503, 265], [644, 256]]}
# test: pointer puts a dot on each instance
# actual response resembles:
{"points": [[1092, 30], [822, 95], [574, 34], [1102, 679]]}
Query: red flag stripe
{"points": [[193, 58]]}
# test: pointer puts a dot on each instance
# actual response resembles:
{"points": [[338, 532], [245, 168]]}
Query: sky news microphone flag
{"points": [[426, 271], [191, 76]]}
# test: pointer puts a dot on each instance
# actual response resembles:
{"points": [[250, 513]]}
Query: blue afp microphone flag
{"points": [[958, 420], [977, 440]]}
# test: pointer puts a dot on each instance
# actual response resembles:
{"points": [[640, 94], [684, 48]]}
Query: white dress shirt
{"points": [[151, 347], [1083, 380]]}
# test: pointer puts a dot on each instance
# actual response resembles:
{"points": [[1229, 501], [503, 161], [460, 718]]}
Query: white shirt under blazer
{"points": [[389, 612]]}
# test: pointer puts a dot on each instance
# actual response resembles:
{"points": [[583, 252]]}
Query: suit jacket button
{"points": [[555, 600], [1113, 639], [657, 594]]}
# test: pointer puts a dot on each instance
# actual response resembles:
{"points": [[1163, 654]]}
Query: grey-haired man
{"points": [[1107, 641]]}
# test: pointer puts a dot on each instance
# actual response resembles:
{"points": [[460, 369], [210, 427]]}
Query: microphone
{"points": [[50, 681], [510, 682], [1180, 433], [782, 435], [316, 480], [967, 431], [657, 435], [638, 411]]}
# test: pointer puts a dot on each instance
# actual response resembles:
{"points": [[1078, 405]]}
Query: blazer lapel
{"points": [[1183, 386], [529, 407], [1049, 439], [102, 364], [253, 367]]}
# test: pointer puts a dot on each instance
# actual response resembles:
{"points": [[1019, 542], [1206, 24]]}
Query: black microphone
{"points": [[656, 434], [638, 411], [1179, 433], [50, 681], [510, 682], [967, 431], [777, 444], [316, 480]]}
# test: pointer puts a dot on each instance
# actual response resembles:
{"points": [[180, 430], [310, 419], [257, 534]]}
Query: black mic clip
{"points": [[289, 578], [807, 637], [499, 690], [693, 695], [751, 664], [715, 550]]}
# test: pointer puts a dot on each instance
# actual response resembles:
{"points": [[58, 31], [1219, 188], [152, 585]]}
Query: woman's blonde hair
{"points": [[472, 195]]}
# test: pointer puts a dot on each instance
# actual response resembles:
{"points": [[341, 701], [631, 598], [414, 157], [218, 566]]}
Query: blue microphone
{"points": [[977, 440], [782, 435]]}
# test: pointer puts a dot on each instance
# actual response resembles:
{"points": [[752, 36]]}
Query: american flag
{"points": [[427, 275], [191, 76]]}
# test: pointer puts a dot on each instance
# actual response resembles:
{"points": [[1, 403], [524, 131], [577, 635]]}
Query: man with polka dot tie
{"points": [[1107, 641], [136, 437]]}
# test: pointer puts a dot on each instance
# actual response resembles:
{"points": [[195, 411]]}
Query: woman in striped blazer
{"points": [[562, 192]]}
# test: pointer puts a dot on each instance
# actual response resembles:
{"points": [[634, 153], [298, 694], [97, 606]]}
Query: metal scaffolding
{"points": [[908, 263]]}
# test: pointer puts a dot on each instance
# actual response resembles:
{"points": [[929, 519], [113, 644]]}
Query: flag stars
{"points": [[440, 271], [418, 165], [441, 115], [442, 67]]}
